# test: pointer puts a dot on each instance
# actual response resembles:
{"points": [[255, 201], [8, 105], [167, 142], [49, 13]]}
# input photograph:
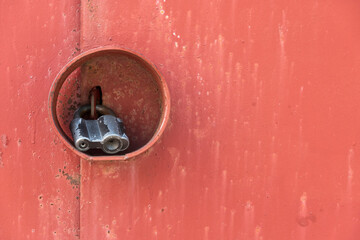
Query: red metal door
{"points": [[263, 137], [39, 177]]}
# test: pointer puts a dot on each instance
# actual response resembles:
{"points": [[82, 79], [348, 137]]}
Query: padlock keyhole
{"points": [[112, 145]]}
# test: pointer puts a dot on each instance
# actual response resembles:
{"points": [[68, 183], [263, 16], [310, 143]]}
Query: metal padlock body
{"points": [[106, 132]]}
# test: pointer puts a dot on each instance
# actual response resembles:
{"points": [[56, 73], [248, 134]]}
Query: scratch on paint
{"points": [[1, 160], [304, 217], [350, 173]]}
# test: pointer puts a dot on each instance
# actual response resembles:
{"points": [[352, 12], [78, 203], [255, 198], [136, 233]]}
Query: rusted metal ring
{"points": [[77, 62]]}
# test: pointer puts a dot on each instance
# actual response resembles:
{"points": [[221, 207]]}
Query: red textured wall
{"points": [[263, 136]]}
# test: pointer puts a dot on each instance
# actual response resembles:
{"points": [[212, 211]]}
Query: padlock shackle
{"points": [[101, 109]]}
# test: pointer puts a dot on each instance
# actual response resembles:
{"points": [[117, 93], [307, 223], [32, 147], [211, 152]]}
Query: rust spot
{"points": [[74, 180]]}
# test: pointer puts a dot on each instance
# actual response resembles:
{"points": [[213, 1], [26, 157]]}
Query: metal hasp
{"points": [[107, 132]]}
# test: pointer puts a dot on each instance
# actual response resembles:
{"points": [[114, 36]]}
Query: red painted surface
{"points": [[39, 176], [263, 136]]}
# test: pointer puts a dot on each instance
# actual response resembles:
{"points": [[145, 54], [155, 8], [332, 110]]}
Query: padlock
{"points": [[107, 132]]}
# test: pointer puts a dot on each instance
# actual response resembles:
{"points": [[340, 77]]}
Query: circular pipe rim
{"points": [[77, 62]]}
